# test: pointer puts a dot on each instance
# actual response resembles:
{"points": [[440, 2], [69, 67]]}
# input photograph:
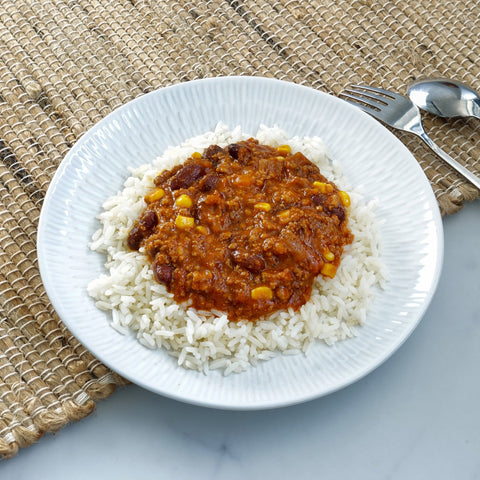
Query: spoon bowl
{"points": [[445, 97]]}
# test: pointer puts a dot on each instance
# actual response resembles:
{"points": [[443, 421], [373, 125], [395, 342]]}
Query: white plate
{"points": [[134, 134]]}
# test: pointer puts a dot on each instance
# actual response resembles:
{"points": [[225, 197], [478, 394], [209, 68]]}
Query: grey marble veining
{"points": [[415, 417]]}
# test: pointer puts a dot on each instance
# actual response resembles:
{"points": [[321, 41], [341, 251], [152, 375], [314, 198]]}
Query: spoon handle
{"points": [[471, 177]]}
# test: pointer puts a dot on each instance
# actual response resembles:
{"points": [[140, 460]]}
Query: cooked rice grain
{"points": [[208, 340]]}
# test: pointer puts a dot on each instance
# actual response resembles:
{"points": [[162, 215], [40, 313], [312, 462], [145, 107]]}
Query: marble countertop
{"points": [[415, 417]]}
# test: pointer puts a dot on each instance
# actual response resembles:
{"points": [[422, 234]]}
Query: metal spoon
{"points": [[444, 97]]}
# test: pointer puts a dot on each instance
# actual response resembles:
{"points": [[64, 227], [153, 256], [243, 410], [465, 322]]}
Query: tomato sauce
{"points": [[243, 229]]}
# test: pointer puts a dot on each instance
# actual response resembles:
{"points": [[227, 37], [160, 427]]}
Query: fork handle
{"points": [[471, 177]]}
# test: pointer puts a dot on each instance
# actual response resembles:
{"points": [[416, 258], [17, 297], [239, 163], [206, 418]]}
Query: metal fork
{"points": [[401, 113]]}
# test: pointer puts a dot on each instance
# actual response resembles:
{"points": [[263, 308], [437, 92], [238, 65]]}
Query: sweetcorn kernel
{"points": [[284, 214], [196, 155], [328, 270], [183, 201], [263, 206], [262, 293], [284, 150], [156, 195], [344, 198], [323, 187], [203, 230], [184, 222], [328, 255]]}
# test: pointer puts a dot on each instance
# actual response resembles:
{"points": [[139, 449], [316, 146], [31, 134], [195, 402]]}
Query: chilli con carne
{"points": [[243, 229]]}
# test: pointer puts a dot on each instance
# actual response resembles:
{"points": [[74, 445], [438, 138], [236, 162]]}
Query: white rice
{"points": [[208, 340]]}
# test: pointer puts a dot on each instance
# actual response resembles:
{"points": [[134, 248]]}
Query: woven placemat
{"points": [[65, 64]]}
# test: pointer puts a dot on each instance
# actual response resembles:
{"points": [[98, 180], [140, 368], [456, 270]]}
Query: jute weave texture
{"points": [[65, 64]]}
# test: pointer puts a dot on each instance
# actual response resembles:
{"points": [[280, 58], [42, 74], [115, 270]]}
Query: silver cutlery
{"points": [[445, 97], [401, 113]]}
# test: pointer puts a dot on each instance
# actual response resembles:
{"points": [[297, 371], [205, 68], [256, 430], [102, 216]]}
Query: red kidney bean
{"points": [[339, 212], [239, 152], [317, 199], [134, 238], [162, 273], [208, 182], [211, 151], [142, 229], [149, 220], [187, 176]]}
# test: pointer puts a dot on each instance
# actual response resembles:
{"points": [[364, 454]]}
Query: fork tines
{"points": [[371, 96], [373, 90]]}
